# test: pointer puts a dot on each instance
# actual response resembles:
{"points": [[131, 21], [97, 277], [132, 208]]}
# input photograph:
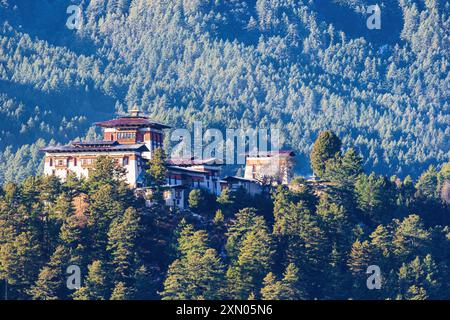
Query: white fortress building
{"points": [[131, 141]]}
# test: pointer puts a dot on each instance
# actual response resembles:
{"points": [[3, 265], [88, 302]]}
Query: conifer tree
{"points": [[358, 261], [157, 173], [122, 244], [106, 172], [120, 292], [344, 170], [381, 242], [96, 285], [427, 185], [227, 202], [197, 274], [290, 284], [410, 237], [375, 197], [420, 279], [253, 262], [21, 261], [271, 289], [51, 284], [280, 210], [325, 147], [245, 220]]}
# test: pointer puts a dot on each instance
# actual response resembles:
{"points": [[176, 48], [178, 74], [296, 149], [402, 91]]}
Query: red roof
{"points": [[271, 153], [131, 122], [192, 161]]}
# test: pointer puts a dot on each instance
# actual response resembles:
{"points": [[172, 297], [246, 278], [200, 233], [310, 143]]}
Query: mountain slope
{"points": [[299, 65]]}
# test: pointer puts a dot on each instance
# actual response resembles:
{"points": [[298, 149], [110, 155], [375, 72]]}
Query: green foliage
{"points": [[157, 170], [51, 284], [420, 279], [123, 235], [96, 285], [245, 221], [314, 244], [344, 170], [156, 175], [326, 146], [375, 197], [201, 201], [106, 172], [198, 274], [383, 92]]}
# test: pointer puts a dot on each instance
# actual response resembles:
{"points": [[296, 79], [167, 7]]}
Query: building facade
{"points": [[131, 141]]}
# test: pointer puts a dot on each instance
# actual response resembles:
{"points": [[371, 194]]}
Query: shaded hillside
{"points": [[303, 66]]}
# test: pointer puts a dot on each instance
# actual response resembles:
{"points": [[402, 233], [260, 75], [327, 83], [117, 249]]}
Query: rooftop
{"points": [[186, 162], [259, 154], [186, 170], [96, 146], [234, 178], [132, 121]]}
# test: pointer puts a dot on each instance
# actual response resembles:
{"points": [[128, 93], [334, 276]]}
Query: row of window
{"points": [[156, 137], [126, 135], [84, 162]]}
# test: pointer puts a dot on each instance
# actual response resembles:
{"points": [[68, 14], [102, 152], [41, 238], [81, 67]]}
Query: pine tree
{"points": [[73, 235], [325, 147], [420, 279], [51, 283], [410, 237], [227, 202], [21, 261], [157, 173], [253, 262], [245, 220], [280, 210], [375, 197], [358, 261], [381, 242], [96, 285], [290, 284], [122, 244], [106, 172], [271, 289], [427, 186], [197, 274], [343, 171], [306, 244], [120, 292], [103, 209]]}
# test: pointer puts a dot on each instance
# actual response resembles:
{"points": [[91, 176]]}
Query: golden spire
{"points": [[134, 111]]}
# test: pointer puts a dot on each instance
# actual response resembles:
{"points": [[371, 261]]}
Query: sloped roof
{"points": [[240, 179], [270, 153], [186, 162], [128, 121], [96, 146]]}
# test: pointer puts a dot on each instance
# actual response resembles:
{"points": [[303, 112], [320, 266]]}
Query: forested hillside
{"points": [[307, 240], [303, 66]]}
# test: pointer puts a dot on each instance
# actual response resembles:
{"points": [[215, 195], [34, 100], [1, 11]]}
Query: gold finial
{"points": [[134, 112]]}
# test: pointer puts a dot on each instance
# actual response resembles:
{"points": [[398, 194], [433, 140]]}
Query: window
{"points": [[87, 162], [126, 160], [51, 162], [126, 135], [74, 162]]}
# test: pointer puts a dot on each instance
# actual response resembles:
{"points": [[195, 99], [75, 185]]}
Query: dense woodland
{"points": [[308, 240], [301, 65]]}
